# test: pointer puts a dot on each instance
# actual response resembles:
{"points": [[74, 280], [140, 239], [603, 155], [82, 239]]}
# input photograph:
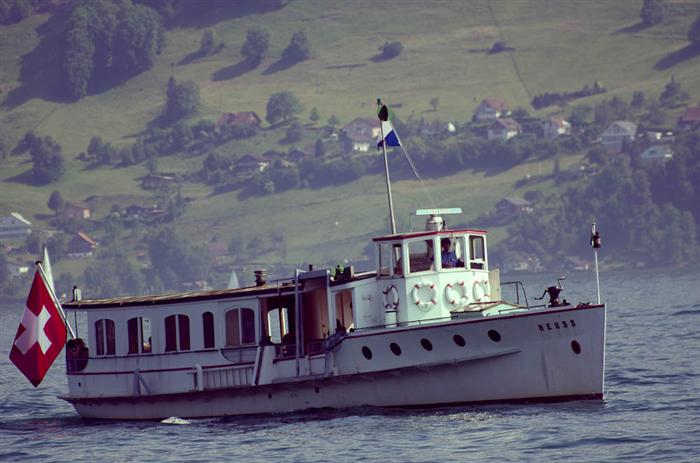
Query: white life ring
{"points": [[481, 291], [391, 297], [428, 302], [460, 288]]}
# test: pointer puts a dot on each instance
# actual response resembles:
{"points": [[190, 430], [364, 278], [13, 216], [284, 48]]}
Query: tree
{"points": [[207, 44], [319, 148], [653, 12], [47, 161], [282, 106], [4, 271], [673, 94], [637, 100], [256, 45], [33, 243], [295, 132], [391, 49], [694, 32], [55, 202], [107, 40], [434, 102], [181, 99], [313, 115], [299, 48], [333, 120]]}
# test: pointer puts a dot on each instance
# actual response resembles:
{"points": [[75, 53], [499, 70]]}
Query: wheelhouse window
{"points": [[139, 335], [208, 327], [477, 252], [277, 324], [104, 337], [240, 327], [390, 262], [177, 333], [421, 256], [452, 252]]}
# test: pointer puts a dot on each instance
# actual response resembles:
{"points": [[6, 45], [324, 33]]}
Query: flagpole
{"points": [[386, 166], [62, 314], [595, 244]]}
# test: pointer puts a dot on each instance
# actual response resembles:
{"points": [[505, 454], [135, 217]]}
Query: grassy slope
{"points": [[560, 45]]}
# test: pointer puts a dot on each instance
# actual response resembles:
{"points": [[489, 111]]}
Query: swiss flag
{"points": [[41, 334]]}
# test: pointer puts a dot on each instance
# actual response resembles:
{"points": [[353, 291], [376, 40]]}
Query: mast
{"points": [[384, 116]]}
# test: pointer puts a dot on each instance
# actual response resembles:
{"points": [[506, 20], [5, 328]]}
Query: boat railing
{"points": [[518, 288]]}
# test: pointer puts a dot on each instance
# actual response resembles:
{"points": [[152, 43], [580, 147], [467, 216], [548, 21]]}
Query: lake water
{"points": [[651, 410]]}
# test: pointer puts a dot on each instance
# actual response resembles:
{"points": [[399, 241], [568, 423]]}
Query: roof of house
{"points": [[557, 121], [84, 237], [494, 103], [628, 126], [691, 114], [19, 217], [371, 121], [240, 118], [506, 123], [76, 205], [515, 201], [252, 158]]}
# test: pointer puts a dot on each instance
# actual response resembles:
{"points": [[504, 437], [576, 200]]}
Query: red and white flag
{"points": [[41, 334]]}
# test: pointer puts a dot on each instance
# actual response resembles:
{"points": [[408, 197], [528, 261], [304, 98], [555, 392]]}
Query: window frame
{"points": [[180, 342], [208, 331], [241, 329], [481, 262], [142, 348], [105, 337], [462, 242], [431, 241]]}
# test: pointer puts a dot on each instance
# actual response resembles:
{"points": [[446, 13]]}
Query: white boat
{"points": [[427, 327]]}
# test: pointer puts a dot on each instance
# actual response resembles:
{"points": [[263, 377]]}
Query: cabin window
{"points": [[240, 327], [208, 327], [451, 253], [384, 260], [177, 333], [139, 335], [477, 252], [277, 324], [420, 255], [104, 337]]}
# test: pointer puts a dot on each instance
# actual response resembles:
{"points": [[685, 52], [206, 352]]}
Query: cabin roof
{"points": [[402, 236], [272, 288]]}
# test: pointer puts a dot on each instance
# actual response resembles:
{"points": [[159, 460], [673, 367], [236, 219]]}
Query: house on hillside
{"points": [[503, 129], [656, 135], [657, 153], [298, 155], [512, 205], [617, 134], [15, 269], [140, 212], [252, 163], [490, 109], [14, 227], [76, 210], [81, 245], [157, 182], [690, 119], [243, 118], [554, 126], [362, 133]]}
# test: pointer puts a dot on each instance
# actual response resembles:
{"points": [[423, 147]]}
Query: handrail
{"points": [[518, 285]]}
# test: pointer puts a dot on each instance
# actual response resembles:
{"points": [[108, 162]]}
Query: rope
{"points": [[415, 171]]}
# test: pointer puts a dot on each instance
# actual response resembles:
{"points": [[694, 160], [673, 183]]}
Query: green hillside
{"points": [[558, 46]]}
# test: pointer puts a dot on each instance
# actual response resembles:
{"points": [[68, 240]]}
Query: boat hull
{"points": [[549, 355]]}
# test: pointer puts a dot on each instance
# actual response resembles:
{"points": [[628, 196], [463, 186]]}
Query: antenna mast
{"points": [[384, 116]]}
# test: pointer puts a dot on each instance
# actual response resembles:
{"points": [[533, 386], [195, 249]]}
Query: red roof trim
{"points": [[403, 236]]}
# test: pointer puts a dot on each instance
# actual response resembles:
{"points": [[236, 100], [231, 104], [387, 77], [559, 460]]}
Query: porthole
{"points": [[367, 352], [459, 340], [494, 335], [427, 345], [576, 347], [395, 348]]}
